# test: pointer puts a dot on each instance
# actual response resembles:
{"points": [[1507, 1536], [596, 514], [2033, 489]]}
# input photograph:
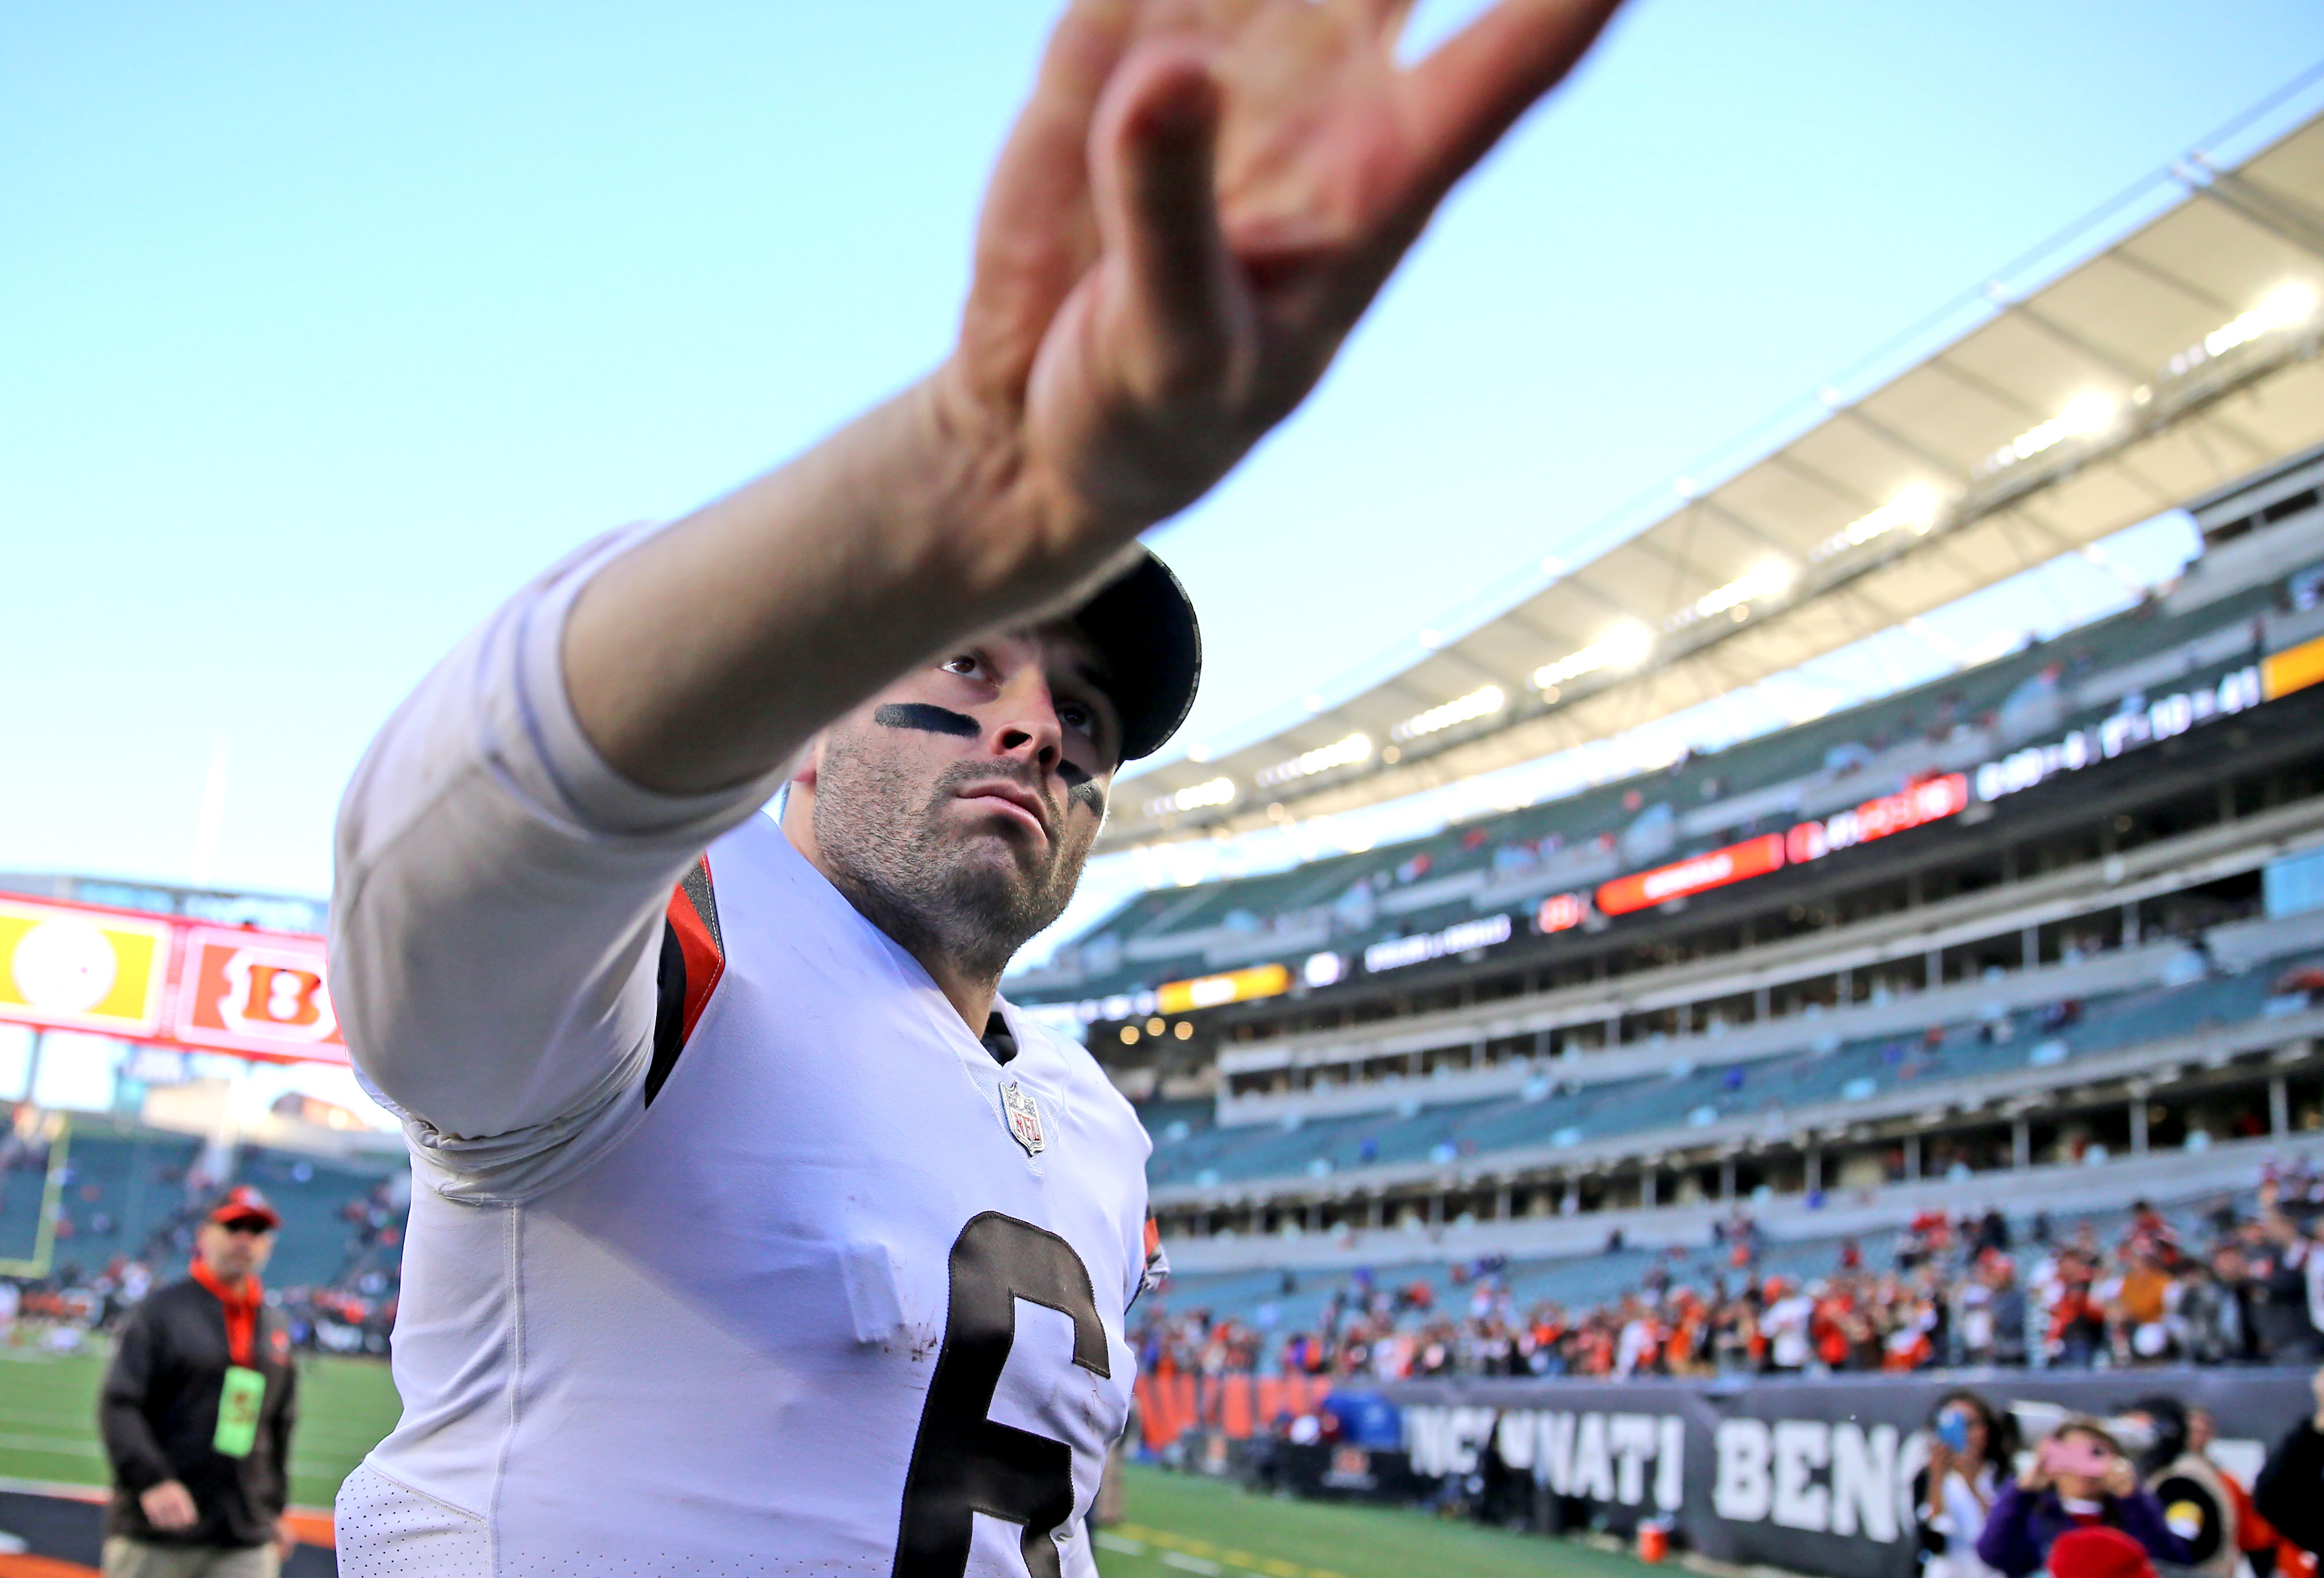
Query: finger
{"points": [[1222, 19], [1178, 301], [1383, 19], [1035, 236], [1460, 100]]}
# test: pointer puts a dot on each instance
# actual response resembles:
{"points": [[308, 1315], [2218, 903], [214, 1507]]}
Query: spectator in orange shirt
{"points": [[2134, 1315]]}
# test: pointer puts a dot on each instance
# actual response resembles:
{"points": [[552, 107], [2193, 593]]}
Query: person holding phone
{"points": [[1971, 1446], [2078, 1478]]}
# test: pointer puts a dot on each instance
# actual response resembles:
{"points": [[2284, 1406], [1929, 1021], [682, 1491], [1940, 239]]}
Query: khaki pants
{"points": [[129, 1558]]}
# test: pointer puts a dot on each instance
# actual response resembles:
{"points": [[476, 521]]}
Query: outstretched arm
{"points": [[1197, 205], [1199, 200]]}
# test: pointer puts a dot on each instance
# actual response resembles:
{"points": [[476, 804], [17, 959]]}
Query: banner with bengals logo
{"points": [[166, 980], [258, 993]]}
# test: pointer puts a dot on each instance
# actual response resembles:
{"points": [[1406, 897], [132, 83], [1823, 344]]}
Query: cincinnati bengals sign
{"points": [[166, 980]]}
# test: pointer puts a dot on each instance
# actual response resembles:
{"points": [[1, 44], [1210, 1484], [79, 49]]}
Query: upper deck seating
{"points": [[1187, 1152], [1754, 786]]}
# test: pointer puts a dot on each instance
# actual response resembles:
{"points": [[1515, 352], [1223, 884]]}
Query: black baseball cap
{"points": [[1142, 623]]}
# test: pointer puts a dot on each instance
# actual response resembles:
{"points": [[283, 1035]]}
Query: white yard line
{"points": [[56, 1446]]}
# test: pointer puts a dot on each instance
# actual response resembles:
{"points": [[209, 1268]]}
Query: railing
{"points": [[2162, 1176]]}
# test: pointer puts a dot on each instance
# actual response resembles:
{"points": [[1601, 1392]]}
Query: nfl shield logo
{"points": [[1024, 1117]]}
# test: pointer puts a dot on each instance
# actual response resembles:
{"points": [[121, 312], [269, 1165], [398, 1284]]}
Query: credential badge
{"points": [[1024, 1115]]}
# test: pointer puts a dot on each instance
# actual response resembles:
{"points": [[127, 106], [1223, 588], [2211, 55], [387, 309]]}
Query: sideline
{"points": [[313, 1524]]}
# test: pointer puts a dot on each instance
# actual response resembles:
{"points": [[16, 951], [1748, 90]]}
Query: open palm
{"points": [[1197, 203]]}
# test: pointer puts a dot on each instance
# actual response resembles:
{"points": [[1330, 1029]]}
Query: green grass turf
{"points": [[1178, 1524], [47, 1420], [1181, 1524]]}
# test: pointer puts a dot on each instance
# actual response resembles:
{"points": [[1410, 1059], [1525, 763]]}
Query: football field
{"points": [[1173, 1524], [1176, 1523], [48, 1420]]}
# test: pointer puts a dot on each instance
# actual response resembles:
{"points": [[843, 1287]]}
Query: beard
{"points": [[967, 895]]}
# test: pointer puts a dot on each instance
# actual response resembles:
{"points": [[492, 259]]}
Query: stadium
{"points": [[1726, 1035], [2037, 938]]}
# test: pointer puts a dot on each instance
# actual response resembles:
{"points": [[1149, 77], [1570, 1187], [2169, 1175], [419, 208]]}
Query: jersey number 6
{"points": [[964, 1462]]}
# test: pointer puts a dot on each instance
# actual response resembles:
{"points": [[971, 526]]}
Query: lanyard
{"points": [[241, 1312]]}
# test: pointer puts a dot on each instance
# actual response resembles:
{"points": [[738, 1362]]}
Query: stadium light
{"points": [[1624, 646], [1216, 791], [1477, 704], [1344, 753], [1769, 578], [2285, 307], [1917, 506], [2088, 412]]}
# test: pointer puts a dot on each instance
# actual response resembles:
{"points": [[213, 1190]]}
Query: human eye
{"points": [[963, 664]]}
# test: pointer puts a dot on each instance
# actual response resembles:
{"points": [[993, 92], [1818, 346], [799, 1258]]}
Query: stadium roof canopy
{"points": [[2176, 360]]}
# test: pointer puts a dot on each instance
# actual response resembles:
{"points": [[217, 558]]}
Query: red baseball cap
{"points": [[2099, 1553], [244, 1203]]}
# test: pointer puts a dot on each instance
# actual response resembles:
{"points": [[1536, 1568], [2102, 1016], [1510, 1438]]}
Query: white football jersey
{"points": [[734, 1250]]}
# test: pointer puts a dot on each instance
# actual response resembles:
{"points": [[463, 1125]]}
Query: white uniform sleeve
{"points": [[496, 918]]}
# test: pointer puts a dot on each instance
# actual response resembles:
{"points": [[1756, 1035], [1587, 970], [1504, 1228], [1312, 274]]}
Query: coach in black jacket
{"points": [[197, 1413]]}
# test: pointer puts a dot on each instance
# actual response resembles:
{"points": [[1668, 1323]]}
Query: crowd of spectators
{"points": [[61, 1314], [2241, 1281], [354, 1312]]}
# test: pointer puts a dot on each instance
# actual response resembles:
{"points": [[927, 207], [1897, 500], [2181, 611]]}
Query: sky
{"points": [[322, 328]]}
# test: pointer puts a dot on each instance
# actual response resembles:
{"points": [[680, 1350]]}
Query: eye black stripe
{"points": [[930, 719]]}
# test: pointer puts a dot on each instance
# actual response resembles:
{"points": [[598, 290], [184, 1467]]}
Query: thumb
{"points": [[1173, 300]]}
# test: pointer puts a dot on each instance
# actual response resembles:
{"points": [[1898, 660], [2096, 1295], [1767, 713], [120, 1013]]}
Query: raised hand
{"points": [[1198, 202], [1197, 205], [1941, 1462]]}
